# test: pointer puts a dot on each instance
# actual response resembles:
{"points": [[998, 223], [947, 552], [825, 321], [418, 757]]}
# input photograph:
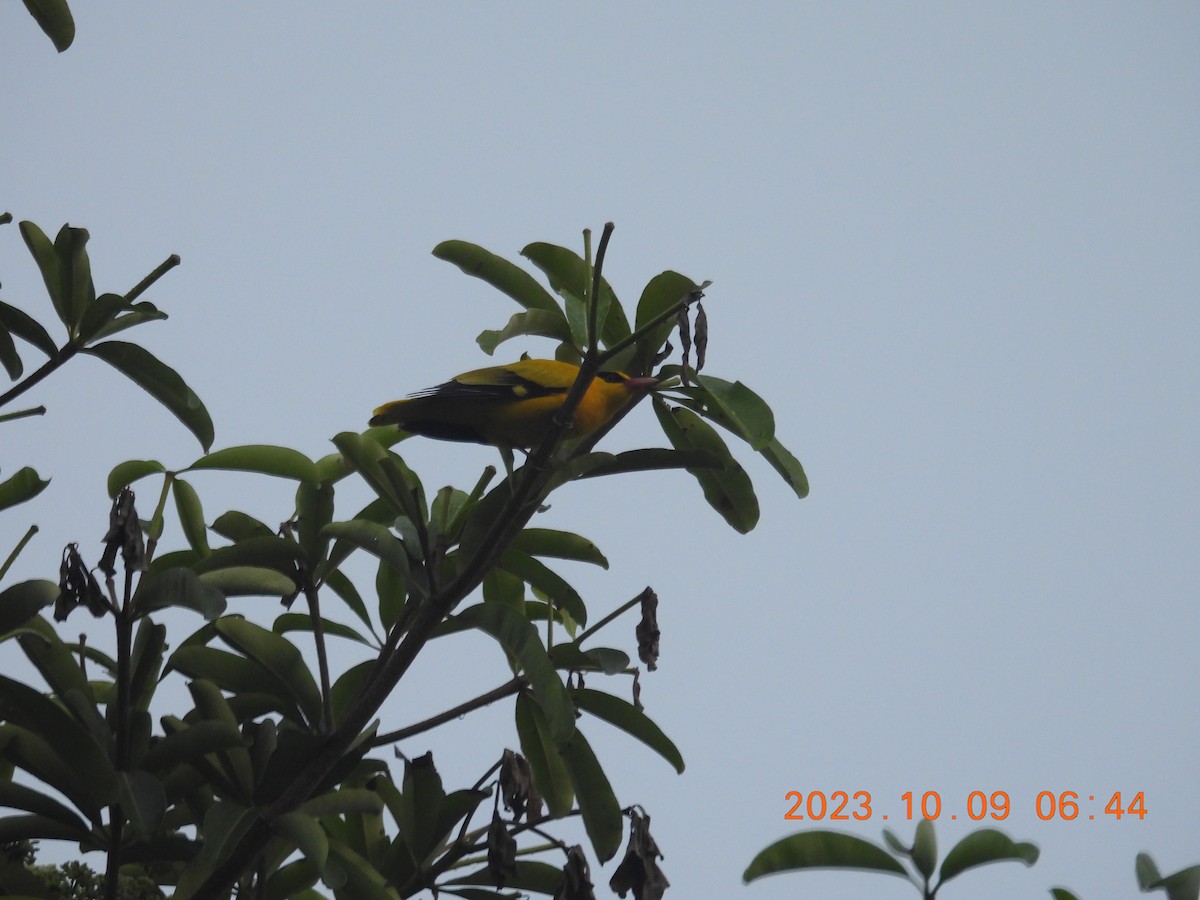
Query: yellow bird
{"points": [[511, 406]]}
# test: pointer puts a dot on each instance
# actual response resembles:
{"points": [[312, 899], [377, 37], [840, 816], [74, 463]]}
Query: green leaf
{"points": [[53, 659], [1181, 885], [178, 587], [522, 641], [54, 18], [787, 466], [37, 827], [16, 796], [238, 526], [343, 802], [728, 490], [498, 272], [263, 459], [194, 741], [306, 833], [560, 545], [9, 357], [550, 775], [924, 849], [597, 802], [145, 663], [650, 459], [375, 539], [1062, 894], [595, 659], [78, 291], [265, 551], [314, 510], [631, 720], [249, 581], [144, 801], [569, 276], [984, 846], [23, 748], [542, 578], [537, 322], [303, 622], [660, 294], [191, 515], [27, 328], [21, 487], [739, 409], [337, 582], [126, 473], [75, 745], [820, 849], [530, 876], [143, 311], [23, 601], [279, 656], [161, 382], [48, 262], [238, 675]]}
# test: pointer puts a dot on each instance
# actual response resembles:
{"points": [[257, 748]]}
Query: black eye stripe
{"points": [[611, 377]]}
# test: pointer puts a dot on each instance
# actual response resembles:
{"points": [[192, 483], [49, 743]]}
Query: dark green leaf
{"points": [[306, 833], [314, 510], [728, 490], [279, 656], [303, 622], [531, 876], [27, 328], [144, 801], [145, 663], [597, 802], [16, 796], [37, 827], [630, 719], [1062, 894], [822, 850], [27, 750], [54, 18], [161, 382], [140, 312], [651, 459], [126, 473], [550, 775], [74, 744], [337, 582], [21, 487], [9, 357], [54, 660], [236, 674], [23, 601], [178, 587], [498, 272], [99, 313], [984, 846], [264, 459], [47, 260]]}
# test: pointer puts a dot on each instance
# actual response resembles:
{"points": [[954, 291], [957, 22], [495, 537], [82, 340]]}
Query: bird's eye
{"points": [[611, 377]]}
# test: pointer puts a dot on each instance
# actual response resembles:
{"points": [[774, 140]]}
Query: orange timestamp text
{"points": [[1066, 806]]}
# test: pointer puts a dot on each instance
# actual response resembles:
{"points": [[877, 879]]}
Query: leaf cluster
{"points": [[271, 781]]}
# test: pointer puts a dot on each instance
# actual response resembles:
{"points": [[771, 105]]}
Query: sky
{"points": [[954, 246]]}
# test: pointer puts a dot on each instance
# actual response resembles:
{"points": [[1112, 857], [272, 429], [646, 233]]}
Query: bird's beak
{"points": [[637, 385]]}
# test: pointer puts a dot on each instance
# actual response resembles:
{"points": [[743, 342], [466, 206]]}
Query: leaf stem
{"points": [[513, 686], [33, 529]]}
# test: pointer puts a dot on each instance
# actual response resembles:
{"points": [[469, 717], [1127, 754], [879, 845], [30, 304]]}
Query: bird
{"points": [[511, 406]]}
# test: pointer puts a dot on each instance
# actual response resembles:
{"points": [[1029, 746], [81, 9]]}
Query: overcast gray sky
{"points": [[955, 246]]}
